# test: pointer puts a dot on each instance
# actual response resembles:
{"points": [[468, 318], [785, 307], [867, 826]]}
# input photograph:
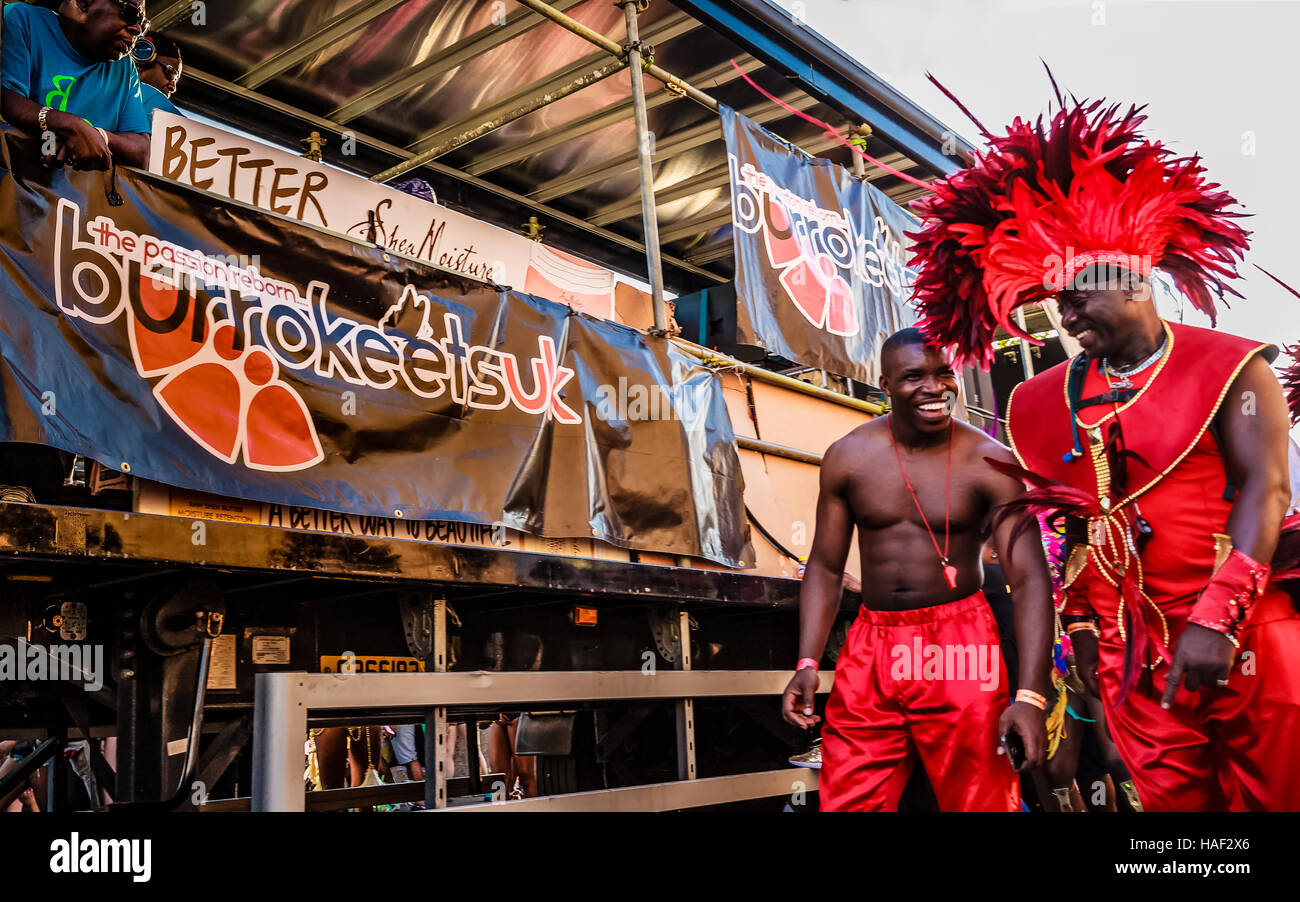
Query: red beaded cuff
{"points": [[1073, 604], [1231, 592]]}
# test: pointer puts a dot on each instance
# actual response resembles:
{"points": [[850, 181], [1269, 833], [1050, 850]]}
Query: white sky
{"points": [[1217, 75]]}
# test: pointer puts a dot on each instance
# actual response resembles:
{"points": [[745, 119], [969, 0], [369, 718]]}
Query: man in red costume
{"points": [[1165, 444], [921, 675]]}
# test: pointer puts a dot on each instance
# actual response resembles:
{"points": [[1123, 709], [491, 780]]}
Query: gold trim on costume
{"points": [[1214, 411], [1222, 550], [1011, 399], [1074, 565]]}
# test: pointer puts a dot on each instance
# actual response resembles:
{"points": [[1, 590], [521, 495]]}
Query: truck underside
{"points": [[154, 588]]}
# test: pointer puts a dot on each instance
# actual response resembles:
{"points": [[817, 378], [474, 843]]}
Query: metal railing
{"points": [[284, 700]]}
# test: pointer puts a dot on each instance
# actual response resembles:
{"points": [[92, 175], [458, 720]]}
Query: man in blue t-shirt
{"points": [[66, 75]]}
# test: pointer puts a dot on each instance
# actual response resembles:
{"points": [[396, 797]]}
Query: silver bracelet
{"points": [[40, 118]]}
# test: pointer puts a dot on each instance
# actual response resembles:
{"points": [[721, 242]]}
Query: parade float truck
{"points": [[333, 454]]}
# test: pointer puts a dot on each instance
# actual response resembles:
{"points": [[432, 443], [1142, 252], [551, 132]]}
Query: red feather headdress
{"points": [[1291, 381], [1290, 375], [1044, 202]]}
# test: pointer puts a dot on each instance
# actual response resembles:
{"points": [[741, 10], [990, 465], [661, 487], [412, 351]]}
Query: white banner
{"points": [[245, 170]]}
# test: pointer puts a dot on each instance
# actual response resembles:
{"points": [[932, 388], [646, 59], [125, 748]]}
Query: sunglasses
{"points": [[132, 14], [173, 75]]}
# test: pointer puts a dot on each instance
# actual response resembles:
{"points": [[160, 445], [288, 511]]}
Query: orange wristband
{"points": [[1029, 697]]}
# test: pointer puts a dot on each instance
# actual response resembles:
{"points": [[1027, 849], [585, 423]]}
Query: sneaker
{"points": [[16, 494], [811, 758]]}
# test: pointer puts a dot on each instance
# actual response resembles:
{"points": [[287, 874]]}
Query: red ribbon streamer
{"points": [[830, 130]]}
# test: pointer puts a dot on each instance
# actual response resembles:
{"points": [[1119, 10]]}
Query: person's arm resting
{"points": [[130, 148]]}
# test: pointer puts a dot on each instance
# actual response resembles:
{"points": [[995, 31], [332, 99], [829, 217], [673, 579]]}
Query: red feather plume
{"points": [[1291, 381], [1043, 201], [1290, 375], [1044, 497]]}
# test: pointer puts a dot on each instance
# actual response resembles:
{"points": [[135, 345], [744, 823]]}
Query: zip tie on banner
{"points": [[830, 131]]}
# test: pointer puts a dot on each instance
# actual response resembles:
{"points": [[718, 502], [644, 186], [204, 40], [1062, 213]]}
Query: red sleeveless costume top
{"points": [[1176, 476]]}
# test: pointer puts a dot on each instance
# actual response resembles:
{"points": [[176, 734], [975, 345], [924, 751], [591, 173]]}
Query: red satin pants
{"points": [[927, 683], [1217, 749]]}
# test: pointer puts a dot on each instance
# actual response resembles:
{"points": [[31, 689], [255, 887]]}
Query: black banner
{"points": [[821, 259], [199, 343]]}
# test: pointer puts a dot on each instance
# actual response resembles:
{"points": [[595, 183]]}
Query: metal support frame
{"points": [[713, 251], [713, 179], [444, 60], [772, 448], [1026, 361], [905, 193], [360, 796], [608, 115], [435, 719], [700, 225], [494, 122], [323, 38], [531, 97], [705, 132], [56, 779], [224, 749], [278, 714], [15, 782], [283, 700], [712, 358], [435, 753], [672, 81], [710, 180], [686, 706], [668, 796], [645, 166], [138, 542], [710, 252], [171, 14]]}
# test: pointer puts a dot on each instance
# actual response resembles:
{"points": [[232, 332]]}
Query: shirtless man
{"points": [[920, 673]]}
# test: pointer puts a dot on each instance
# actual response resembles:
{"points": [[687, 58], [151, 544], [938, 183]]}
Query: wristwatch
{"points": [[40, 117]]}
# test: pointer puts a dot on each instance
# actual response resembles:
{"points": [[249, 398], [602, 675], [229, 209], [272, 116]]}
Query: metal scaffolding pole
{"points": [[1026, 349], [644, 150], [722, 362], [672, 81]]}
